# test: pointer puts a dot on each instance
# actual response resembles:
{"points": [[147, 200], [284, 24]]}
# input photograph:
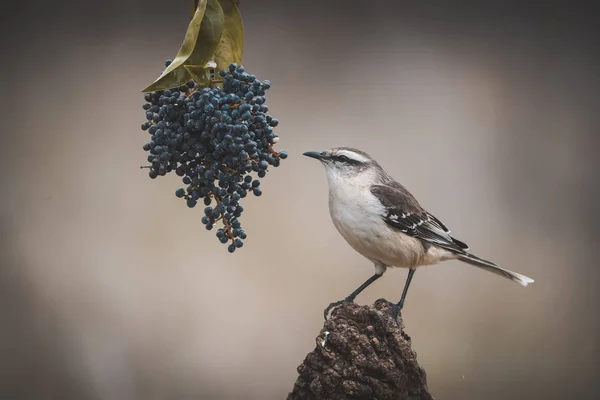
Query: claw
{"points": [[335, 304], [396, 311]]}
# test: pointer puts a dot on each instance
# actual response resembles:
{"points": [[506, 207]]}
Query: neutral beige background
{"points": [[112, 289]]}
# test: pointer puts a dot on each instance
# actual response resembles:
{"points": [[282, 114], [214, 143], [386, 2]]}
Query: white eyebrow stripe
{"points": [[352, 155]]}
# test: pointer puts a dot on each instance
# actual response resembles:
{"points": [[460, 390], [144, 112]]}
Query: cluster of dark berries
{"points": [[215, 139]]}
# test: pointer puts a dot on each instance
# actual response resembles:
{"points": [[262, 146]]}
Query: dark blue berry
{"points": [[213, 138]]}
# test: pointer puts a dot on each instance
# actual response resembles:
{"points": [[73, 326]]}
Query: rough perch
{"points": [[366, 355]]}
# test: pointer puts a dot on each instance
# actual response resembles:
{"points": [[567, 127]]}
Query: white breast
{"points": [[356, 213]]}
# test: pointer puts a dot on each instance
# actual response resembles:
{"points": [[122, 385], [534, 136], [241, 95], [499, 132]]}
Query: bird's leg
{"points": [[397, 308], [350, 298]]}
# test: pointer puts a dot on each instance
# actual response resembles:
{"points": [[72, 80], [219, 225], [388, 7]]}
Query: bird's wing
{"points": [[403, 212]]}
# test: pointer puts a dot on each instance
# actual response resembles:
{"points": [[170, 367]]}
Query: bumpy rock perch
{"points": [[361, 353]]}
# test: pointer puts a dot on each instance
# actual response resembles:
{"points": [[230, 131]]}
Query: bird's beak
{"points": [[314, 154]]}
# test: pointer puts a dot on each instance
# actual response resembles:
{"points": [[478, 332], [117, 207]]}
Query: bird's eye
{"points": [[343, 158]]}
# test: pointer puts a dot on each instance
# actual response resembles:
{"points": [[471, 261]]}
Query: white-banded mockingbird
{"points": [[381, 220]]}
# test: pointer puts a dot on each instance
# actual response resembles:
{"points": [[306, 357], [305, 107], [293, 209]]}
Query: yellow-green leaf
{"points": [[199, 46], [199, 73], [194, 7], [175, 78], [231, 45], [228, 5], [209, 35], [186, 49]]}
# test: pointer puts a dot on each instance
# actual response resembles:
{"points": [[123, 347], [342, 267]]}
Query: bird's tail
{"points": [[490, 266]]}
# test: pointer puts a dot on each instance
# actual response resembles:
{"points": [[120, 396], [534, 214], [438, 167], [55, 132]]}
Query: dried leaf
{"points": [[209, 35], [167, 80], [199, 73], [199, 46], [175, 78], [194, 7], [231, 45]]}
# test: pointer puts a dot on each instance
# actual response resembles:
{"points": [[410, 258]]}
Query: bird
{"points": [[381, 220]]}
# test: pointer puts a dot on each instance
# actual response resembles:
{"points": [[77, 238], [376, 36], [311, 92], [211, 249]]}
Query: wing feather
{"points": [[403, 212]]}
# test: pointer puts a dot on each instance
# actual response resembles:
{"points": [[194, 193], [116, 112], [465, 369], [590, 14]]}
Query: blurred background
{"points": [[110, 287]]}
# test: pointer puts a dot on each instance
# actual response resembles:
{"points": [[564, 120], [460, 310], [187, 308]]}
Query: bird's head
{"points": [[345, 164]]}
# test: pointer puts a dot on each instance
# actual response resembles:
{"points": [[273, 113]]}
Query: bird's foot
{"points": [[347, 300], [396, 311]]}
